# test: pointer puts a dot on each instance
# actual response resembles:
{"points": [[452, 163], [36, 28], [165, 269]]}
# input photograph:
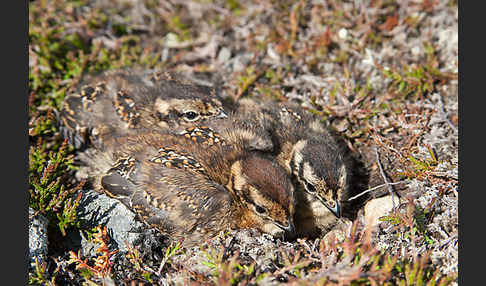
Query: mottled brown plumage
{"points": [[118, 106], [307, 150], [125, 102], [193, 190]]}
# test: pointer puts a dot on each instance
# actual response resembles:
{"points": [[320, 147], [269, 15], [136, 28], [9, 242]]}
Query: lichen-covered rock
{"points": [[37, 238], [98, 209]]}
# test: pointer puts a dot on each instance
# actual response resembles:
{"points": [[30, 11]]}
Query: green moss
{"points": [[417, 80]]}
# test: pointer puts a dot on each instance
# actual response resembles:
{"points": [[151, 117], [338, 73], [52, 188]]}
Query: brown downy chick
{"points": [[305, 148], [193, 190], [123, 102]]}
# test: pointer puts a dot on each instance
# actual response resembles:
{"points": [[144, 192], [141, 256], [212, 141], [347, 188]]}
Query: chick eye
{"points": [[309, 187], [259, 209], [190, 115]]}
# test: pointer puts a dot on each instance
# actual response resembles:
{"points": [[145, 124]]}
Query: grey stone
{"points": [[37, 238], [122, 225], [224, 55]]}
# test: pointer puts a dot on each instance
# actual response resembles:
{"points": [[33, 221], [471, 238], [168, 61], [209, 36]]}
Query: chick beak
{"points": [[336, 210], [289, 229], [222, 115]]}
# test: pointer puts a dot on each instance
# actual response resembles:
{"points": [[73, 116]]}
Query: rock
{"points": [[377, 208], [224, 55], [98, 209], [343, 33], [37, 238], [338, 233], [273, 54], [171, 40]]}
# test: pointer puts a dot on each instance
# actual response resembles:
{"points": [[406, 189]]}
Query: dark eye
{"points": [[309, 187], [259, 209], [190, 115]]}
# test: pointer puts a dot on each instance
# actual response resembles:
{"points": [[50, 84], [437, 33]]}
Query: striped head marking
{"points": [[266, 190], [186, 112], [320, 169]]}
